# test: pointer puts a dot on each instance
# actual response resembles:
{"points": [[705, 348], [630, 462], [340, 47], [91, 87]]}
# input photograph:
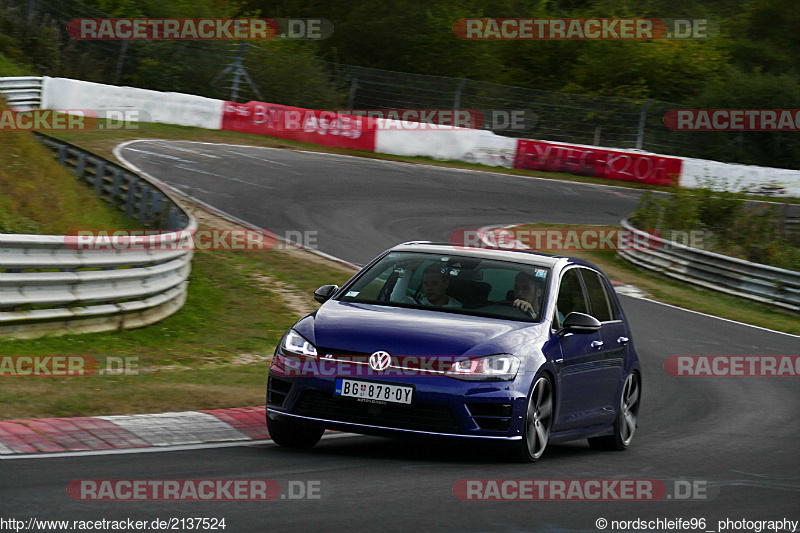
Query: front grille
{"points": [[422, 417], [277, 390]]}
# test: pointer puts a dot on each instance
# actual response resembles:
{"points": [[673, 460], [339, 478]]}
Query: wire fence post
{"points": [[118, 71], [351, 97], [237, 72], [642, 119], [457, 99]]}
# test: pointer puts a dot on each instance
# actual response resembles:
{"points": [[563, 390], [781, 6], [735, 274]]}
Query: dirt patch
{"points": [[298, 303]]}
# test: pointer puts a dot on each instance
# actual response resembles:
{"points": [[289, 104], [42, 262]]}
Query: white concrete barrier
{"points": [[444, 143], [777, 182], [152, 106]]}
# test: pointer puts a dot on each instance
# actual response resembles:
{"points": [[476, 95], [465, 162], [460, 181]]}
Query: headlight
{"points": [[492, 367], [295, 344]]}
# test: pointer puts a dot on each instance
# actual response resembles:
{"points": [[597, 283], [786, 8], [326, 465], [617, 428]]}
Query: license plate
{"points": [[369, 390]]}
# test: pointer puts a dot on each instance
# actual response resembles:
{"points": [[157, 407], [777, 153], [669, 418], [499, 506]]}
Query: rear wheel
{"points": [[538, 421], [627, 417], [293, 434]]}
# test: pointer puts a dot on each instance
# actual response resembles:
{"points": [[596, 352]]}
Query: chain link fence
{"points": [[243, 71]]}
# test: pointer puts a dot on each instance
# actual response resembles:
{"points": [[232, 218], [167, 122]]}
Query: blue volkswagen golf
{"points": [[472, 343]]}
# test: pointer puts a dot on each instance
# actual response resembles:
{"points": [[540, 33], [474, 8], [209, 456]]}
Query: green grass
{"points": [[39, 196], [9, 68]]}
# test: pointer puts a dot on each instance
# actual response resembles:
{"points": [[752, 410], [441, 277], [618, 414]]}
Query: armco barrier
{"points": [[50, 286], [22, 93], [762, 283]]}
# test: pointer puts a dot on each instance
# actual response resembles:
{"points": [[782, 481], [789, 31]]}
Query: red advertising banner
{"points": [[327, 128], [598, 163]]}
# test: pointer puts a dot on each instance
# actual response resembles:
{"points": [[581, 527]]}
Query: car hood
{"points": [[355, 328]]}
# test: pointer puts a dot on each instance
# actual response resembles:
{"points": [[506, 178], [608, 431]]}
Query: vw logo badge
{"points": [[380, 361]]}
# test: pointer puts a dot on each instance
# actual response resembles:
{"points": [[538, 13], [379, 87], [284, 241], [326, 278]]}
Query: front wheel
{"points": [[538, 421], [292, 434], [627, 417]]}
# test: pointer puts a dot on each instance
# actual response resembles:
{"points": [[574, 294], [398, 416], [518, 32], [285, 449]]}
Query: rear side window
{"points": [[570, 295], [615, 314], [598, 300]]}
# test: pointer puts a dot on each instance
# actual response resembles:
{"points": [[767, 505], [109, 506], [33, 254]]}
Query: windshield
{"points": [[452, 283]]}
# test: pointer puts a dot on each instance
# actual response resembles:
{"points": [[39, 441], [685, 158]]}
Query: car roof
{"points": [[519, 256]]}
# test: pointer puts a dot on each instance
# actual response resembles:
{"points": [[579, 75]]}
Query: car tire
{"points": [[538, 421], [293, 434], [627, 419]]}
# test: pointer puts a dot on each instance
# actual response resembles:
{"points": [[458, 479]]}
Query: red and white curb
{"points": [[54, 435]]}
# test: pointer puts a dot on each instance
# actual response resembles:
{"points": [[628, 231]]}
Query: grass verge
{"points": [[39, 196]]}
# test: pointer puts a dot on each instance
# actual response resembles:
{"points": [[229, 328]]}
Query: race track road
{"points": [[736, 437]]}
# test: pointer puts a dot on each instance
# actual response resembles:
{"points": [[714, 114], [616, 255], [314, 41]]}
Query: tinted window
{"points": [[453, 283], [570, 295], [597, 295], [615, 314]]}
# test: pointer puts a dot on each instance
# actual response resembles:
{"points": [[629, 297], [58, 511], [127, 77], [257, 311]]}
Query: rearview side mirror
{"points": [[325, 292], [579, 323]]}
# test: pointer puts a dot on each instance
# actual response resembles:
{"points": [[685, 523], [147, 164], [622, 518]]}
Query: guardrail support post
{"points": [[131, 199], [115, 187], [80, 169], [99, 175]]}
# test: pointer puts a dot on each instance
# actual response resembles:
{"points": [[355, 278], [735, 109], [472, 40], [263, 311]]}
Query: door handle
{"points": [[597, 344], [623, 340]]}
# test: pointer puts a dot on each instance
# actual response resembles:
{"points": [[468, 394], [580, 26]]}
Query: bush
{"points": [[740, 227]]}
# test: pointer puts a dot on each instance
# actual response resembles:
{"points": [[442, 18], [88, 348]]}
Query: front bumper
{"points": [[441, 406]]}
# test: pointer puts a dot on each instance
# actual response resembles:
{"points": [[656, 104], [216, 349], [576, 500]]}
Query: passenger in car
{"points": [[435, 281], [528, 292]]}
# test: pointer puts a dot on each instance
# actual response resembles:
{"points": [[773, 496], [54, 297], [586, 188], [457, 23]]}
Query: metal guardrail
{"points": [[49, 285], [22, 92], [762, 283]]}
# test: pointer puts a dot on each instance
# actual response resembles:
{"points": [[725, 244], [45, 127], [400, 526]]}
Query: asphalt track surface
{"points": [[736, 437]]}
